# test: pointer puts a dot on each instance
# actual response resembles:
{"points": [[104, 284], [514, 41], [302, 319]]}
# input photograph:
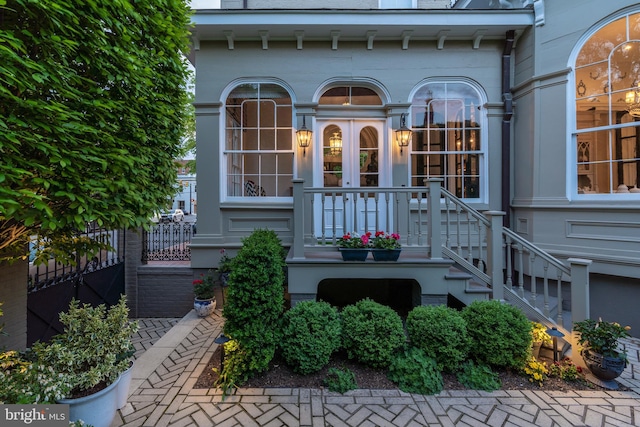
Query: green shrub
{"points": [[478, 377], [87, 352], [415, 372], [441, 333], [311, 332], [500, 334], [340, 380], [371, 333], [255, 302]]}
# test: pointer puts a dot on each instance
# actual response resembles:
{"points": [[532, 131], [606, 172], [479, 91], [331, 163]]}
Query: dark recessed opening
{"points": [[401, 295]]}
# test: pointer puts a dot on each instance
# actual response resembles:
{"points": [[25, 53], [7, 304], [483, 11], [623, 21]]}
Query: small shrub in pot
{"points": [[311, 332]]}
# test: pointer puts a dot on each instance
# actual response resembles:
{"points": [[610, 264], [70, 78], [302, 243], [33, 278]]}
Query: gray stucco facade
{"points": [[395, 53]]}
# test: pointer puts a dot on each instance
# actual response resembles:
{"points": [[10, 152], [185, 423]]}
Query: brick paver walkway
{"points": [[163, 395], [151, 330]]}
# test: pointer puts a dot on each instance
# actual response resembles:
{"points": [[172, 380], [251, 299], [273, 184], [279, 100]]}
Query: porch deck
{"points": [[435, 277]]}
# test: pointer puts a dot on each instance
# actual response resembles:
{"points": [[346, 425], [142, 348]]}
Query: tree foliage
{"points": [[92, 103]]}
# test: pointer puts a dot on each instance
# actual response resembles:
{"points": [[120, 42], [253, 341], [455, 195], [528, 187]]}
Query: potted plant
{"points": [[224, 268], [204, 302], [385, 246], [354, 247], [600, 342], [85, 358], [539, 336]]}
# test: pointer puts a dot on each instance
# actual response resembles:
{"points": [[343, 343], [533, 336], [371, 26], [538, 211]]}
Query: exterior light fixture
{"points": [[555, 334], [632, 99], [303, 136], [222, 340], [403, 135], [335, 144]]}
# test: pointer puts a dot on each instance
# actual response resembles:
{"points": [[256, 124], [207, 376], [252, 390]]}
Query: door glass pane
{"points": [[368, 157], [332, 152]]}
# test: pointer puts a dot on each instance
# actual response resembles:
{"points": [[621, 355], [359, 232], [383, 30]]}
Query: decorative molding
{"points": [[477, 37], [230, 37], [370, 36], [335, 35], [604, 230], [442, 36], [406, 35], [299, 37], [538, 9], [264, 36]]}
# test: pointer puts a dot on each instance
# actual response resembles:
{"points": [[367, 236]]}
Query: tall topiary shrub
{"points": [[500, 334], [371, 333], [441, 333], [311, 332], [255, 300]]}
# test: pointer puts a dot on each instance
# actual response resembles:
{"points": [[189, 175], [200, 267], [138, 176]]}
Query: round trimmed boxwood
{"points": [[311, 332], [371, 333], [500, 334], [440, 332]]}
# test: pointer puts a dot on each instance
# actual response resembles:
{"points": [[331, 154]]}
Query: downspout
{"points": [[507, 99]]}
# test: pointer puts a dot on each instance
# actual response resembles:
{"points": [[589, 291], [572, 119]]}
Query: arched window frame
{"points": [[253, 171], [604, 140], [463, 147]]}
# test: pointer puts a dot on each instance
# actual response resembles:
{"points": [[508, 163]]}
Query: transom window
{"points": [[606, 137], [258, 141], [350, 95], [446, 140]]}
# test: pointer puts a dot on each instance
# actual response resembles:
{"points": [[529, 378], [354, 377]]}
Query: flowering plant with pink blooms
{"points": [[383, 240], [355, 240]]}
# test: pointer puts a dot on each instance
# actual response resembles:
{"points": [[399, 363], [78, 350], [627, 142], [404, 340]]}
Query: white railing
{"points": [[445, 225]]}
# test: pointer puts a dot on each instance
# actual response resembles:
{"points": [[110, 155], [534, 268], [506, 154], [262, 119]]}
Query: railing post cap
{"points": [[297, 180], [494, 213], [579, 261]]}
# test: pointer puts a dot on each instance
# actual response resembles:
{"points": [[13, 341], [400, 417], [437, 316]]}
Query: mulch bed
{"points": [[280, 375]]}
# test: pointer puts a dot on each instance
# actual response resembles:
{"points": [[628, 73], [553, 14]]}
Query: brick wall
{"points": [[13, 295], [163, 291]]}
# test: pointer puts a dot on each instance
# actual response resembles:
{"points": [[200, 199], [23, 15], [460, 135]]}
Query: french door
{"points": [[352, 156]]}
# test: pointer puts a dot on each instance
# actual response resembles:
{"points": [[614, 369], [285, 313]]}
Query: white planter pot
{"points": [[97, 409], [123, 386], [204, 307]]}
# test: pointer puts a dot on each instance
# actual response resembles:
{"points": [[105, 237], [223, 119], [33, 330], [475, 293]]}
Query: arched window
{"points": [[606, 136], [350, 95], [258, 141], [447, 137]]}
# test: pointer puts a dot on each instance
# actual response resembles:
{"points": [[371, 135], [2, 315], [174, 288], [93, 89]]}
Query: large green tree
{"points": [[92, 104]]}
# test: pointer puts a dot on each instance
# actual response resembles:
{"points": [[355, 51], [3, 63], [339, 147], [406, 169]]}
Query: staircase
{"points": [[474, 255]]}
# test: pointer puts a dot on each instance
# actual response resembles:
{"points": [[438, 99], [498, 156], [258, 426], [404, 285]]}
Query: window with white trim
{"points": [[258, 147], [606, 136], [446, 141]]}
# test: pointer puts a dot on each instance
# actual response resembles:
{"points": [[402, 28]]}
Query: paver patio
{"points": [[162, 394]]}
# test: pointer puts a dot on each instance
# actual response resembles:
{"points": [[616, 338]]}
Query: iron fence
{"points": [[167, 242], [53, 271]]}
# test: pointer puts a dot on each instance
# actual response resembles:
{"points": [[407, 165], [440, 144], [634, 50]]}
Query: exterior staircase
{"points": [[448, 246]]}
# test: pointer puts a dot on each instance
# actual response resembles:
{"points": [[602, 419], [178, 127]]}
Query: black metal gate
{"points": [[95, 281], [44, 305]]}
